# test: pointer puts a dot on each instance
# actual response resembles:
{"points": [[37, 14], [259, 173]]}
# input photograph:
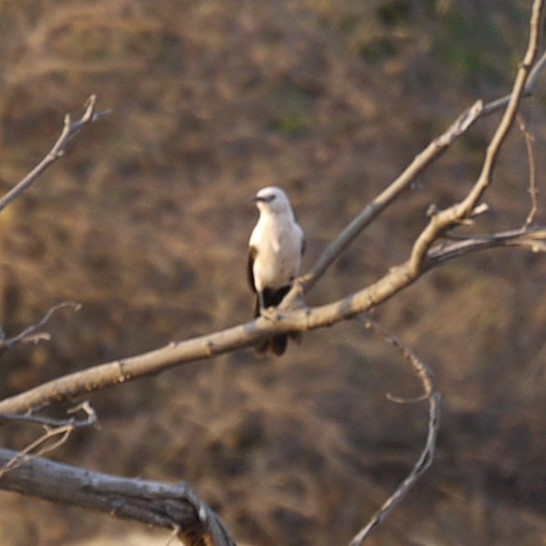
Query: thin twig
{"points": [[54, 436], [89, 420], [70, 130], [531, 155], [30, 334], [173, 536], [427, 454], [59, 435], [533, 239]]}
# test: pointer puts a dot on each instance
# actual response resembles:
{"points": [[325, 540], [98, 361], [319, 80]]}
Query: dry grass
{"points": [[146, 223]]}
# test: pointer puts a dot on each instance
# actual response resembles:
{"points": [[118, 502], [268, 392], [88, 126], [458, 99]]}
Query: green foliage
{"points": [[476, 40]]}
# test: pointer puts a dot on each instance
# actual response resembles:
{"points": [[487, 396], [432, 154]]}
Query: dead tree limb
{"points": [[423, 258], [33, 333], [174, 506], [529, 74], [246, 335], [447, 218], [70, 129], [427, 454]]}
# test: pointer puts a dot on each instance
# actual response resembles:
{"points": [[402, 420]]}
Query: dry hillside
{"points": [[146, 223]]}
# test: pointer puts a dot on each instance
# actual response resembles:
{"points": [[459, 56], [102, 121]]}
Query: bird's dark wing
{"points": [[252, 251], [303, 245]]}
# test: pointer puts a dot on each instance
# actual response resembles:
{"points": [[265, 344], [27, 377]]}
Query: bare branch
{"points": [[174, 506], [31, 334], [427, 455], [56, 434], [529, 90], [449, 217], [50, 440], [423, 160], [70, 130], [531, 239], [89, 420], [535, 73], [531, 155], [387, 196], [246, 335], [301, 319]]}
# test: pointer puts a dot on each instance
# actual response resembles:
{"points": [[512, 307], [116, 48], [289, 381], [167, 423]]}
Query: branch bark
{"points": [[174, 506]]}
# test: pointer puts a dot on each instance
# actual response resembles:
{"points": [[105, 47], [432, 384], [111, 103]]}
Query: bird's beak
{"points": [[257, 199]]}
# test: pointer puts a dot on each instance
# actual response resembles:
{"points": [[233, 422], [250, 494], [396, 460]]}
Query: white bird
{"points": [[275, 250]]}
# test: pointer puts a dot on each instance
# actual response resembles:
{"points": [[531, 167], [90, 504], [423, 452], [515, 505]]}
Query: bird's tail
{"points": [[276, 344]]}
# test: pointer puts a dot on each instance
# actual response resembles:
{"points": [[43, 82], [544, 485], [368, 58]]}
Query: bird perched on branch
{"points": [[275, 250]]}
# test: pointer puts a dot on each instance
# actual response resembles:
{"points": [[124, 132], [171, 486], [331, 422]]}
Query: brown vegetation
{"points": [[146, 224]]}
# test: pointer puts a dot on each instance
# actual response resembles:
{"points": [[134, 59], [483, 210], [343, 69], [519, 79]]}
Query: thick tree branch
{"points": [[246, 335], [170, 506]]}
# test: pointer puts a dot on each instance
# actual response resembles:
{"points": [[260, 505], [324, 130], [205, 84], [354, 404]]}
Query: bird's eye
{"points": [[272, 198]]}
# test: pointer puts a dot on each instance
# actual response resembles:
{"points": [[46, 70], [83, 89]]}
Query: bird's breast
{"points": [[277, 262]]}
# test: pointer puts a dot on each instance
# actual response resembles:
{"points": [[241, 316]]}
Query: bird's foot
{"points": [[270, 313]]}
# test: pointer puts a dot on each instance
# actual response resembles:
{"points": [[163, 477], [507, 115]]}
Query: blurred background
{"points": [[146, 224]]}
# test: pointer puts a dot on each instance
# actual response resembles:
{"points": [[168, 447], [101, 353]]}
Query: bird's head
{"points": [[272, 199]]}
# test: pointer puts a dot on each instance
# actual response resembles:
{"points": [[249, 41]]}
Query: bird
{"points": [[276, 247]]}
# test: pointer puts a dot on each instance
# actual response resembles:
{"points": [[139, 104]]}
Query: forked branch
{"points": [[34, 333], [70, 129], [445, 219], [528, 76]]}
